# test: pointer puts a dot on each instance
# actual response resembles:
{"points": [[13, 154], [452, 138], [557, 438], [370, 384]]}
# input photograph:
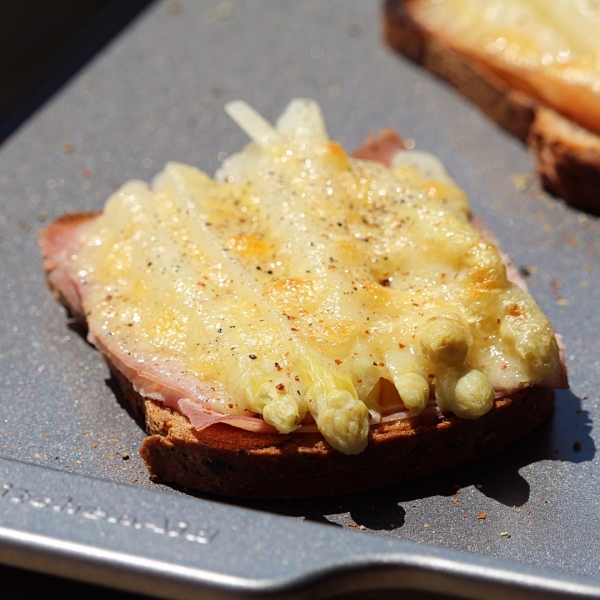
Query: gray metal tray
{"points": [[75, 498]]}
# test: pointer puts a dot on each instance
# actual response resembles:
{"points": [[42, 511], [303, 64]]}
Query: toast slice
{"points": [[563, 135], [435, 355], [228, 461]]}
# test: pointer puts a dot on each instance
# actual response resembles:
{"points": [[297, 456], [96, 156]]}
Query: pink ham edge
{"points": [[60, 241], [175, 397], [380, 148]]}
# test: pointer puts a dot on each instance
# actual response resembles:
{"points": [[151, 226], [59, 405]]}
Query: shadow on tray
{"points": [[564, 436]]}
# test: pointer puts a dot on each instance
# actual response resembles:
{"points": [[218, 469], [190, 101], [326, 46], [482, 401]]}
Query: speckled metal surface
{"points": [[156, 94]]}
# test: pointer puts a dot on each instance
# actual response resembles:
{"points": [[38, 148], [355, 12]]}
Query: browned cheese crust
{"points": [[568, 162], [228, 461]]}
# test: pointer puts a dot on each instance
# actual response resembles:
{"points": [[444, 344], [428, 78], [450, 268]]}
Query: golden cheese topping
{"points": [[548, 48], [301, 280]]}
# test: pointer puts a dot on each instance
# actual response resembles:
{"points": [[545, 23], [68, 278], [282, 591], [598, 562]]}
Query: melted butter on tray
{"points": [[300, 278], [547, 48]]}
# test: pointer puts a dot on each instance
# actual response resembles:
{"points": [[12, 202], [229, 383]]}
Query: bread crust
{"points": [[568, 159], [228, 461], [568, 166]]}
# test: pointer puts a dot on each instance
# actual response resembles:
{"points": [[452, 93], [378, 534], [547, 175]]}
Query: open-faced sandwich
{"points": [[531, 65], [308, 323]]}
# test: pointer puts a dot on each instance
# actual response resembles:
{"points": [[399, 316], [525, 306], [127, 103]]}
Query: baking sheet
{"points": [[156, 94]]}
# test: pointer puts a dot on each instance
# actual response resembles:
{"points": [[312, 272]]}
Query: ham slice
{"points": [[380, 148]]}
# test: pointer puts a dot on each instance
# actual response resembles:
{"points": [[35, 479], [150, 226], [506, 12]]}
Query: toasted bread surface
{"points": [[568, 156]]}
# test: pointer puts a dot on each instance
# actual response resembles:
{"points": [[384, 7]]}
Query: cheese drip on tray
{"points": [[307, 286]]}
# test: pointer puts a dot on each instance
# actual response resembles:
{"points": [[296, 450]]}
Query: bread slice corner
{"points": [[567, 155]]}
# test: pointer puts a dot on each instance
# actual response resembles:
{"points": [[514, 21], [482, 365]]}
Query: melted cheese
{"points": [[547, 48], [302, 278]]}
